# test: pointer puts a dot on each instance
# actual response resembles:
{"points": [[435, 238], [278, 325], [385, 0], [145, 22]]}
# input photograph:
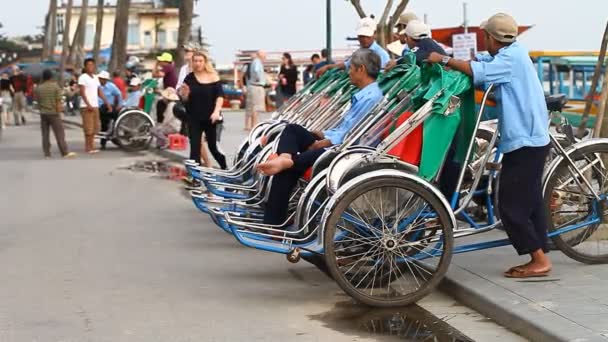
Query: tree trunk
{"points": [[66, 39], [186, 8], [358, 8], [46, 38], [594, 81], [601, 125], [98, 30], [76, 56], [119, 42], [53, 39]]}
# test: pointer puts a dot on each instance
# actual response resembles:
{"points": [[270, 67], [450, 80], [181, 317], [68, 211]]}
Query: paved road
{"points": [[90, 252]]}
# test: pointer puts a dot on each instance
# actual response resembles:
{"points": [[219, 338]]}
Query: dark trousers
{"points": [[195, 132], [106, 118], [520, 198], [52, 121], [294, 140]]}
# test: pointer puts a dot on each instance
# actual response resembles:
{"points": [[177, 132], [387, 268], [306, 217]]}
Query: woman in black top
{"points": [[288, 76], [203, 96]]}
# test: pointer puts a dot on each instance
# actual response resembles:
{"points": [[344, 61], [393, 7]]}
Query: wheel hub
{"points": [[390, 244]]}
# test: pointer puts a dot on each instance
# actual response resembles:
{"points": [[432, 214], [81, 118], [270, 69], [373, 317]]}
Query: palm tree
{"points": [[50, 32], [186, 8], [66, 39], [77, 48], [121, 27], [98, 29]]}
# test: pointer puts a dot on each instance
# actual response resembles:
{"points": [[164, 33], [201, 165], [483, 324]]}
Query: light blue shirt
{"points": [[361, 103], [112, 93], [384, 57], [406, 49], [256, 73], [133, 99], [522, 111]]}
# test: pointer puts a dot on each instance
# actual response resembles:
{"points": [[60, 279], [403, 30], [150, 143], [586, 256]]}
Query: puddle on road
{"points": [[411, 323], [158, 168]]}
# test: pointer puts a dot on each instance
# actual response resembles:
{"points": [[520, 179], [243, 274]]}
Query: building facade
{"points": [[151, 27]]}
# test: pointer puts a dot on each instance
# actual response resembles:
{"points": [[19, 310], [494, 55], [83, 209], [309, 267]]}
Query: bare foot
{"points": [[272, 167]]}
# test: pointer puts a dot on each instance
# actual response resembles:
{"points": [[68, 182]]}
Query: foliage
{"points": [[171, 3]]}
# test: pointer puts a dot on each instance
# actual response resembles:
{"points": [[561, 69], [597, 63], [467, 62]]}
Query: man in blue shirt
{"points": [[366, 34], [114, 97], [298, 148], [524, 138], [135, 94]]}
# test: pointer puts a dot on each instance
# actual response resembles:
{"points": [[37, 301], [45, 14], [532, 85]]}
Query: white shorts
{"points": [[256, 99]]}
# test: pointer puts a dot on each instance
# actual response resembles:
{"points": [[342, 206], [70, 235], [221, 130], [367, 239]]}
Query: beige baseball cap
{"points": [[416, 29], [406, 17], [366, 27], [502, 27]]}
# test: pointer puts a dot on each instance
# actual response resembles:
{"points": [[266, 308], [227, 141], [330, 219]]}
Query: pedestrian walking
{"points": [[19, 85], [288, 77], [256, 94], [50, 101], [203, 96], [90, 93], [524, 138], [6, 94]]}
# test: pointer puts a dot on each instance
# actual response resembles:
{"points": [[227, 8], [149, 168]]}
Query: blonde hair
{"points": [[208, 66]]}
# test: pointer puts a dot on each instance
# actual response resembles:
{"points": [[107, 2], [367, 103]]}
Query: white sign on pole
{"points": [[465, 46]]}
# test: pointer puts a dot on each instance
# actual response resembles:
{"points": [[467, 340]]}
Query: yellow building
{"points": [[151, 27]]}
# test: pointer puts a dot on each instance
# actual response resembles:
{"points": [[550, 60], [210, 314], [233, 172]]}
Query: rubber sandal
{"points": [[523, 273]]}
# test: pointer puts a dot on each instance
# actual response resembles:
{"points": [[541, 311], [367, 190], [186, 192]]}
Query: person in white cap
{"points": [[108, 114], [366, 34], [524, 138], [401, 25], [135, 94], [418, 37]]}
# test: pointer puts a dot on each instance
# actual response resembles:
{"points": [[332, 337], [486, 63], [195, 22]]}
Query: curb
{"points": [[169, 155], [514, 312], [64, 120]]}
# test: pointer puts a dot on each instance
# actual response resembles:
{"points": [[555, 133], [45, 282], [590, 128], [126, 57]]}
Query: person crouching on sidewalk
{"points": [[524, 138], [170, 124], [49, 96]]}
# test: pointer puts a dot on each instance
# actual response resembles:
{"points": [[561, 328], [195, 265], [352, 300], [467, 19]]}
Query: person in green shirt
{"points": [[49, 96]]}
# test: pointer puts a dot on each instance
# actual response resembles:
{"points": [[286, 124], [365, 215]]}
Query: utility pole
{"points": [[328, 28], [465, 17]]}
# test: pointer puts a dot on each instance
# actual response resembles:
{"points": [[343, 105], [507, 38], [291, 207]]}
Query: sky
{"points": [[284, 25]]}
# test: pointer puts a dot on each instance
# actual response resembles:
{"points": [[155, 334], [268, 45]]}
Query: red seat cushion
{"points": [[307, 174], [409, 149]]}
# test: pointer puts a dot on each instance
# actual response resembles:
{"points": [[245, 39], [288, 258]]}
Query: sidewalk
{"points": [[570, 305]]}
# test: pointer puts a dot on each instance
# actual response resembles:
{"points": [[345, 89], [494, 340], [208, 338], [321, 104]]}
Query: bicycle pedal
{"points": [[493, 166]]}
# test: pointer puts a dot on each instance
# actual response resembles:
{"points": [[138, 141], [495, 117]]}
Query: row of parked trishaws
{"points": [[370, 214]]}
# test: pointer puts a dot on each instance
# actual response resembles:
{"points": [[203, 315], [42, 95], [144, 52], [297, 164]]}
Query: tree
{"points": [[119, 42], [66, 39], [50, 32], [386, 21], [98, 30], [186, 9], [76, 56]]}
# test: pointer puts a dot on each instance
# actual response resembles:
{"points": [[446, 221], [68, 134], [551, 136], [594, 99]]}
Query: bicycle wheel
{"points": [[570, 202], [377, 241], [132, 131]]}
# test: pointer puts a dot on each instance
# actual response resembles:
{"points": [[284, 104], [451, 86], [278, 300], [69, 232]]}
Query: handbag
{"points": [[219, 127], [179, 111]]}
